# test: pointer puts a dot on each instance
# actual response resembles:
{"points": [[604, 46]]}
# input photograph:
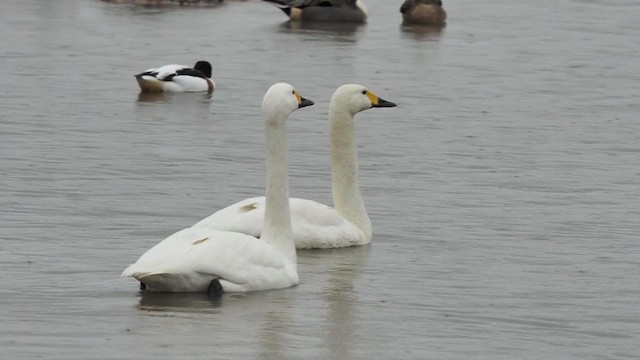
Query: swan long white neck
{"points": [[277, 218], [344, 169]]}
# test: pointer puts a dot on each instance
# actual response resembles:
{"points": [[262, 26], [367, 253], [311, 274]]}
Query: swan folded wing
{"points": [[246, 216], [317, 225], [189, 259], [314, 225]]}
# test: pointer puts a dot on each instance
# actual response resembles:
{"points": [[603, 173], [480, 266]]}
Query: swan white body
{"points": [[177, 78], [188, 260], [315, 225], [192, 259]]}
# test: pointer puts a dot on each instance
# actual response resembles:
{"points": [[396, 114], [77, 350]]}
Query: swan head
{"points": [[281, 100], [355, 98]]}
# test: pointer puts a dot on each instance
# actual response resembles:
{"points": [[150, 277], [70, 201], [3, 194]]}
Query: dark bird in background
{"points": [[423, 12], [342, 11]]}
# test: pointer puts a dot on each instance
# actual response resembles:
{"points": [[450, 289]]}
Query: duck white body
{"points": [[316, 225], [196, 259], [177, 78]]}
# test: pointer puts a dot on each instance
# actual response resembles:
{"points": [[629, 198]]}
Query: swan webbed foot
{"points": [[143, 286], [215, 289]]}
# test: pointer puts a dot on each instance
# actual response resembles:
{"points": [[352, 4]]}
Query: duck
{"points": [[316, 225], [168, 2], [423, 12], [342, 11], [177, 78], [214, 261]]}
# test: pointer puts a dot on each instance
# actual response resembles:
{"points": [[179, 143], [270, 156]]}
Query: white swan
{"points": [[177, 78], [199, 259], [315, 225]]}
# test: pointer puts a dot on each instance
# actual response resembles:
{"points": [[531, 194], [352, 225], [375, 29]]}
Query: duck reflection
{"points": [[145, 97], [151, 97], [345, 28], [422, 33], [335, 31]]}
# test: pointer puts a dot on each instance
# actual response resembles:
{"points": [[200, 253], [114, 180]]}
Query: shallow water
{"points": [[503, 189]]}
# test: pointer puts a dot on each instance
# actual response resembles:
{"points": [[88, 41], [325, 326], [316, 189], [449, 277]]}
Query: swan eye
{"points": [[364, 92], [293, 92]]}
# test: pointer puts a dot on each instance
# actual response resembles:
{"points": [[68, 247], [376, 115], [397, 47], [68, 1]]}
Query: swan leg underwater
{"points": [[315, 225], [200, 259]]}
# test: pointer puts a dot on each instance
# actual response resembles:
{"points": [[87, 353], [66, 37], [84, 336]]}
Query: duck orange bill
{"points": [[304, 102], [383, 103]]}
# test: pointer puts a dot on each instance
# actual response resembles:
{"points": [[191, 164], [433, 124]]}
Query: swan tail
{"points": [[170, 281], [132, 271]]}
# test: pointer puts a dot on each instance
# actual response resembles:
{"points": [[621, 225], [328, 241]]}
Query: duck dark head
{"points": [[204, 67]]}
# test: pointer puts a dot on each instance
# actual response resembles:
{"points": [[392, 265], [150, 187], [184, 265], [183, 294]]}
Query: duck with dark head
{"points": [[323, 11], [423, 12]]}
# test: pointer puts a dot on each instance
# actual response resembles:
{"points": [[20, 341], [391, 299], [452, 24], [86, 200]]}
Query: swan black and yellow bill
{"points": [[379, 102], [302, 102]]}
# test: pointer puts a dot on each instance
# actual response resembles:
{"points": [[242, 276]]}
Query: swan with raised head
{"points": [[423, 12], [198, 259], [315, 225], [177, 78], [345, 11]]}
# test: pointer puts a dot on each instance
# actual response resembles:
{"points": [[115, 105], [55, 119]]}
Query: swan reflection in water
{"points": [[190, 302], [339, 295], [328, 290]]}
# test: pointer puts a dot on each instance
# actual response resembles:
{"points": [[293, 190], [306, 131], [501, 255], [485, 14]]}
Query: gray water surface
{"points": [[503, 189]]}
